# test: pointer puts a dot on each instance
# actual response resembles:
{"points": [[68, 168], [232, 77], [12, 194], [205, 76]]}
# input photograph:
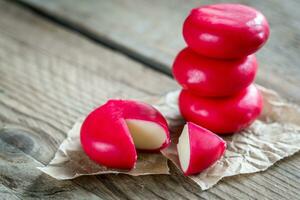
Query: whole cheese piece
{"points": [[222, 115], [213, 77], [225, 30]]}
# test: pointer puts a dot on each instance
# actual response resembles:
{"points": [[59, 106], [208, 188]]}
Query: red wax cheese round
{"points": [[225, 30], [198, 148], [213, 77], [222, 115], [110, 134]]}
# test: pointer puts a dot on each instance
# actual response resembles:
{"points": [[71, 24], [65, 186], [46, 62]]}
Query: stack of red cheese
{"points": [[218, 67]]}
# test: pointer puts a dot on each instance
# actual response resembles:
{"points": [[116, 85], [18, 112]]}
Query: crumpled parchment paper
{"points": [[275, 135], [70, 161]]}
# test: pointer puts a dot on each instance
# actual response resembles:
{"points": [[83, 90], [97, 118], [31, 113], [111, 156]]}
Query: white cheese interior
{"points": [[183, 148], [146, 135]]}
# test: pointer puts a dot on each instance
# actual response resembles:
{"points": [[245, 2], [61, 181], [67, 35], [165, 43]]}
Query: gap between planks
{"points": [[102, 40]]}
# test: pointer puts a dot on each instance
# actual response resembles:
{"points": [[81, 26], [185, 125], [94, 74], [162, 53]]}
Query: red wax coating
{"points": [[222, 115], [213, 77], [105, 137], [225, 30]]}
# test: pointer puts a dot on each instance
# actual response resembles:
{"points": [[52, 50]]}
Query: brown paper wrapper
{"points": [[275, 135]]}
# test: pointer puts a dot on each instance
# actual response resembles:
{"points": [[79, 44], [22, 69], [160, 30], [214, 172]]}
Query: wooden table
{"points": [[59, 59]]}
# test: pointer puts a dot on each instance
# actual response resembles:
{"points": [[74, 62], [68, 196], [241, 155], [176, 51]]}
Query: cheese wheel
{"points": [[213, 77], [225, 30], [222, 115]]}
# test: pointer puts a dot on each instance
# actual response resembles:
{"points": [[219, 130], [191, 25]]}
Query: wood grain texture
{"points": [[151, 31], [48, 78], [21, 180]]}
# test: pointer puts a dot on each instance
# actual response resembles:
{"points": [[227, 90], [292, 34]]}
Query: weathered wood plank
{"points": [[7, 193], [23, 181], [48, 78], [151, 31]]}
